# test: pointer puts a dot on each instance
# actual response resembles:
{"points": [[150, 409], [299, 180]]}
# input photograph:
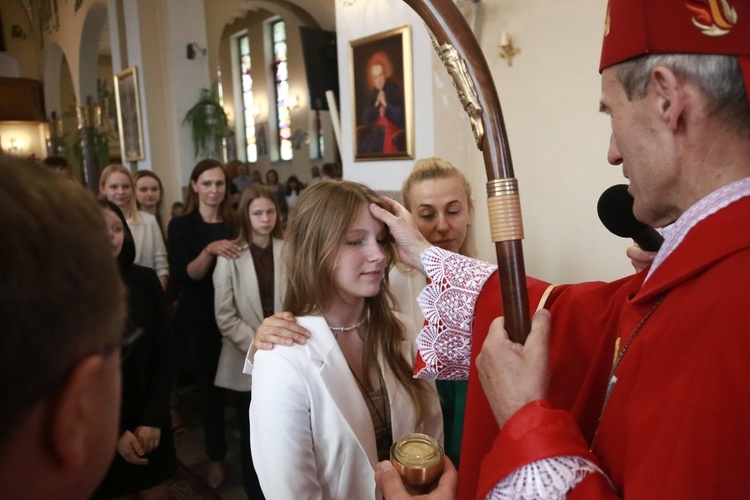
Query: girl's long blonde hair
{"points": [[315, 232], [132, 206]]}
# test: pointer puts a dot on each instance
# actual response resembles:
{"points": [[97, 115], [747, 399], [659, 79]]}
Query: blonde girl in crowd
{"points": [[324, 413], [148, 194], [196, 239], [439, 198], [247, 289], [116, 185]]}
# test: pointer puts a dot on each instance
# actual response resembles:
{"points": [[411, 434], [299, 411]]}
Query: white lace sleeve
{"points": [[550, 478], [448, 302]]}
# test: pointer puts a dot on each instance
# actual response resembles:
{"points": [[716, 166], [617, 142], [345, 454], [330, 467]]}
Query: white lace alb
{"points": [[550, 478], [448, 303]]}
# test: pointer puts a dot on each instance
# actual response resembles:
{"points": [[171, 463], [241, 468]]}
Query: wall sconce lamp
{"points": [[17, 31], [507, 51], [192, 47]]}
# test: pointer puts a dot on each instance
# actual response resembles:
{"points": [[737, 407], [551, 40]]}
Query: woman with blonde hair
{"points": [[247, 289], [116, 185], [438, 196], [329, 410]]}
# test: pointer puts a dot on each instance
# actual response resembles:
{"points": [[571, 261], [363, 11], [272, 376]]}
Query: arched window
{"points": [[246, 80], [281, 80]]}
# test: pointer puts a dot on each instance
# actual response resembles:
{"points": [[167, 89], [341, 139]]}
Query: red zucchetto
{"points": [[636, 27]]}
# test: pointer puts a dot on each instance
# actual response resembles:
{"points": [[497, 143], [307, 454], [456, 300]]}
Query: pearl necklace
{"points": [[346, 328]]}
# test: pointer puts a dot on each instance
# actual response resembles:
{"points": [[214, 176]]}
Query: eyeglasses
{"points": [[124, 346]]}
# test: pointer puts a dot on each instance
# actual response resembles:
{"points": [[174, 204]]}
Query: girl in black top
{"points": [[145, 457]]}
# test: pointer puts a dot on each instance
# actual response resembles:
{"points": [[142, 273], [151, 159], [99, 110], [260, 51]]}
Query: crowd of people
{"points": [[227, 275], [633, 388]]}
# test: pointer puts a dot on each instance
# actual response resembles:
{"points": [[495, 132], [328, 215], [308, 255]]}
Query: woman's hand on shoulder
{"points": [[279, 329], [224, 248]]}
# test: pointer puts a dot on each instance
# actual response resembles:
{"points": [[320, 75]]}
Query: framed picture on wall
{"points": [[381, 77], [129, 115]]}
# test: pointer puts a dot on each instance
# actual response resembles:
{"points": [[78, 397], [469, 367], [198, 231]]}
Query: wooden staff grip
{"points": [[463, 58]]}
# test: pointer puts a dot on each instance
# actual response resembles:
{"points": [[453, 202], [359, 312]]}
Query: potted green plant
{"points": [[208, 123]]}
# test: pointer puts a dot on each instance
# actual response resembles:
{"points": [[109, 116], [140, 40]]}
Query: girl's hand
{"points": [[148, 437], [130, 449]]}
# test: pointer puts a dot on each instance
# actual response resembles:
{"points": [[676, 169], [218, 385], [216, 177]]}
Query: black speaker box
{"points": [[321, 64]]}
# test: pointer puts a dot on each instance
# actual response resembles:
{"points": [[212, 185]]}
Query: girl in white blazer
{"points": [[116, 185], [244, 294], [324, 413]]}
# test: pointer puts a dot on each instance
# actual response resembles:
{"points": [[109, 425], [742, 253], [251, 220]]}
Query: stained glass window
{"points": [[283, 99], [251, 148]]}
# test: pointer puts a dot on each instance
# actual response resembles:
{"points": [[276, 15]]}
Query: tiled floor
{"points": [[190, 449]]}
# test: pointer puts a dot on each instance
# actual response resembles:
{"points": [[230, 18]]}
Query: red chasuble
{"points": [[677, 421]]}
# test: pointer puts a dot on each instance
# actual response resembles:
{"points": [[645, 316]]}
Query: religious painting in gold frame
{"points": [[382, 95], [129, 114]]}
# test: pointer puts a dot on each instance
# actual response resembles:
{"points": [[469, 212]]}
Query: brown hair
{"points": [[254, 192], [148, 173], [316, 231], [192, 203], [231, 168], [55, 248], [132, 206], [430, 169]]}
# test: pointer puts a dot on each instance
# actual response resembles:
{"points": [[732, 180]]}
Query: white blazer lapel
{"points": [[340, 384], [245, 264], [279, 274]]}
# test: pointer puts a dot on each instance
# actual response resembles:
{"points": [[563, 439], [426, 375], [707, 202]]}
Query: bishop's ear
{"points": [[671, 95]]}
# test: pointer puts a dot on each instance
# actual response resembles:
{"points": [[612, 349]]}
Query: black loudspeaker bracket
{"points": [[192, 47]]}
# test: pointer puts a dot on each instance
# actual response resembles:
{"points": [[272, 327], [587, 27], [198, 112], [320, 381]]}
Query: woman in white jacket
{"points": [[116, 185], [324, 413], [248, 289]]}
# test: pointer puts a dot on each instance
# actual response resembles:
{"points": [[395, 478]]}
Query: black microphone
{"points": [[615, 210]]}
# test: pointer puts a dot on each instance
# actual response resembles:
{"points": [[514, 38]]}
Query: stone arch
{"points": [[284, 8]]}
